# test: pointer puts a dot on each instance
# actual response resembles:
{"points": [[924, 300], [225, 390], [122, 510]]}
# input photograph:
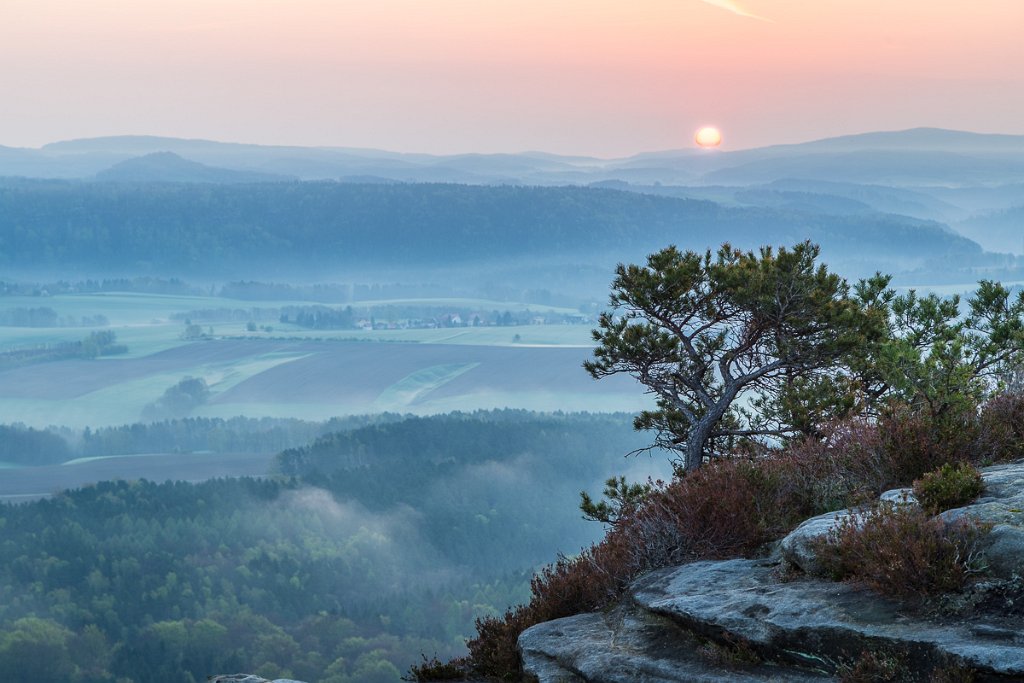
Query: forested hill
{"points": [[388, 543], [217, 229]]}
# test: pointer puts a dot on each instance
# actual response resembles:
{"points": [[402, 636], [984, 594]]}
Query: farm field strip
{"points": [[122, 398], [417, 385], [143, 322], [277, 378], [27, 482], [133, 308], [566, 336], [482, 304]]}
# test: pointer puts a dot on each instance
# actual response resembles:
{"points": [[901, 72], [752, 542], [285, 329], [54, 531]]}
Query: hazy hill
{"points": [[938, 204], [896, 167], [297, 226], [1003, 230], [921, 156], [169, 167]]}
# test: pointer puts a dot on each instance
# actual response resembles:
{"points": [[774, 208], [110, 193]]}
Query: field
{"points": [[294, 372], [21, 484]]}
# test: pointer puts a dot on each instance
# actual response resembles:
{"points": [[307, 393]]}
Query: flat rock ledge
{"points": [[675, 624], [632, 644], [801, 629]]}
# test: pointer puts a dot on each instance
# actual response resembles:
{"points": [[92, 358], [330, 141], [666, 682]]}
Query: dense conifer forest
{"points": [[375, 544]]}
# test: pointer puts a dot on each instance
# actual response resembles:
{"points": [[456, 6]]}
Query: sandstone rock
{"points": [[817, 623], [803, 629], [798, 547], [1003, 548], [629, 645], [899, 497]]}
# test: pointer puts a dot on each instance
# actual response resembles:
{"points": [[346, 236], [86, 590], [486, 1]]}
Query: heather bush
{"points": [[493, 652], [953, 673], [1001, 429], [948, 487], [583, 583], [849, 465], [874, 667], [434, 669], [916, 442], [570, 586], [902, 551], [728, 508]]}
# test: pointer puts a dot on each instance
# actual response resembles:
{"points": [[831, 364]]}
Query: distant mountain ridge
{"points": [[169, 167], [878, 200], [918, 156]]}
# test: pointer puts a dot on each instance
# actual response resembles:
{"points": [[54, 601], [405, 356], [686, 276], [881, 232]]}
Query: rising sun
{"points": [[708, 136]]}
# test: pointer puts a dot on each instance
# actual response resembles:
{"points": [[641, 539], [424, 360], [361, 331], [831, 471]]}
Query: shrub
{"points": [[846, 467], [950, 486], [733, 654], [953, 674], [874, 667], [1001, 431], [902, 552], [570, 586], [583, 583], [434, 669], [728, 508], [917, 442], [493, 652]]}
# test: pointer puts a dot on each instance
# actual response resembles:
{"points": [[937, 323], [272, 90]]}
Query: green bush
{"points": [[950, 486]]}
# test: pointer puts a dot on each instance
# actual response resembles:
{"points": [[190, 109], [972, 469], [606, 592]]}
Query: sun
{"points": [[708, 136]]}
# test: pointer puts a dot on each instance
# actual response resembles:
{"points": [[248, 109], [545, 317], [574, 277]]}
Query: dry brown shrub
{"points": [[917, 442], [1001, 432], [494, 651], [728, 508], [955, 673], [433, 669], [874, 667], [902, 552], [575, 585], [584, 583], [848, 466]]}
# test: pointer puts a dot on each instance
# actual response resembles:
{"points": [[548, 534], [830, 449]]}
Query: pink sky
{"points": [[606, 78]]}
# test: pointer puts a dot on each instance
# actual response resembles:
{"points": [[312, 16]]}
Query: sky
{"points": [[599, 77]]}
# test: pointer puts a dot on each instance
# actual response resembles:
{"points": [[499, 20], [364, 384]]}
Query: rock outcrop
{"points": [[754, 620]]}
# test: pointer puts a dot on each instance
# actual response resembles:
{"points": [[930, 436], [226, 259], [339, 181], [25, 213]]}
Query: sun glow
{"points": [[708, 136]]}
